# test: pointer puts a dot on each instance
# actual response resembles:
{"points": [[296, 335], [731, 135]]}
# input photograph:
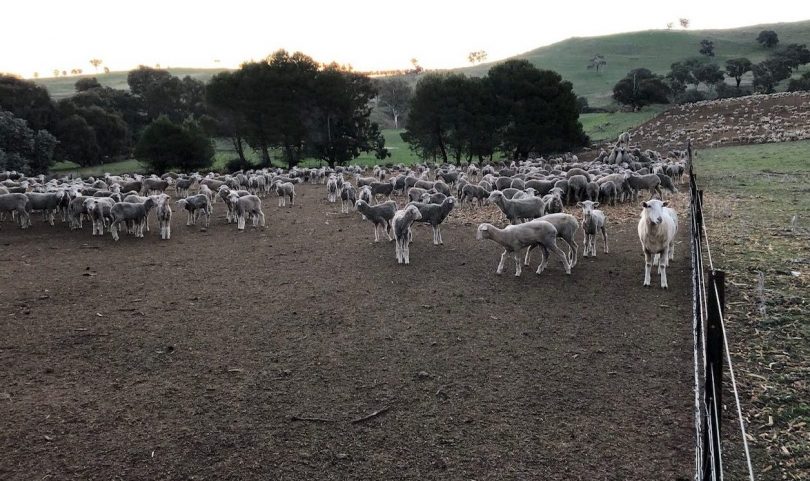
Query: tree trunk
{"points": [[441, 145], [738, 79], [265, 153], [396, 120], [240, 150]]}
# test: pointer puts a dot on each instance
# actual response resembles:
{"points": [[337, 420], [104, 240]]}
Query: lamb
{"points": [[401, 225], [592, 191], [100, 212], [577, 188], [284, 190], [666, 183], [657, 228], [164, 216], [380, 215], [194, 206], [18, 204], [435, 214], [650, 182], [593, 221], [553, 201], [518, 210], [182, 186], [415, 193], [156, 186], [515, 237], [365, 194], [76, 211], [542, 187], [129, 211], [247, 205], [348, 197]]}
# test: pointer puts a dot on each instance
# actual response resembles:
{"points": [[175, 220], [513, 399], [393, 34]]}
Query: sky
{"points": [[40, 36]]}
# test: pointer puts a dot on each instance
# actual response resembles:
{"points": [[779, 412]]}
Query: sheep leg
{"points": [[572, 257], [585, 252], [518, 265], [648, 260], [389, 227], [662, 268], [604, 237], [671, 250], [435, 235], [528, 254], [543, 259], [499, 270], [377, 234], [561, 255], [261, 219]]}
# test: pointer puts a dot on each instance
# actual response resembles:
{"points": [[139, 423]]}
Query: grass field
{"points": [[608, 126], [758, 215]]}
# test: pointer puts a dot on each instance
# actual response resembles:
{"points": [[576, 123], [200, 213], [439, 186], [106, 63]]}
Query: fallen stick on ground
{"points": [[372, 415]]}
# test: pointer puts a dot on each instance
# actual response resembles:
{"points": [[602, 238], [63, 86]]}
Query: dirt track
{"points": [[192, 358]]}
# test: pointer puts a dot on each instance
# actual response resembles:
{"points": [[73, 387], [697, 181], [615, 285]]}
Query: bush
{"points": [[165, 145], [690, 96], [726, 91], [802, 83], [237, 164]]}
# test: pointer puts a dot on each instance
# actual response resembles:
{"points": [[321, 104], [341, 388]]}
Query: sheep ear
{"points": [[666, 203], [644, 204], [596, 204], [579, 204], [483, 227]]}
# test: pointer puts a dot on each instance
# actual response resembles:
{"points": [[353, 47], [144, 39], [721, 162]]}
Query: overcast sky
{"points": [[40, 36]]}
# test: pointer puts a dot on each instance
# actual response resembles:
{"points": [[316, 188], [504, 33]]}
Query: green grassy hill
{"points": [[61, 87], [652, 49]]}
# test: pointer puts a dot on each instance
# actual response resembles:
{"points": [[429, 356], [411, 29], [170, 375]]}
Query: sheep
{"points": [[332, 189], [182, 186], [650, 182], [666, 183], [515, 237], [100, 211], [510, 193], [433, 198], [48, 203], [608, 191], [577, 188], [542, 187], [18, 204], [284, 190], [365, 194], [553, 201], [577, 171], [129, 211], [401, 225], [194, 206], [474, 192], [348, 197], [657, 228], [592, 191], [76, 211], [517, 210], [382, 188], [247, 205], [155, 186], [435, 214], [415, 193], [380, 215], [593, 222], [164, 216], [566, 225]]}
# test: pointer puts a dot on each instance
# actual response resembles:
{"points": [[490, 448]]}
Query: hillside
{"points": [[61, 87], [652, 49]]}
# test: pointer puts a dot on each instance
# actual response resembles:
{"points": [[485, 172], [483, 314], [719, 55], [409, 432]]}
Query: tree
{"points": [[22, 149], [338, 120], [395, 98], [709, 74], [737, 67], [86, 83], [684, 22], [417, 69], [36, 74], [425, 128], [166, 145], [681, 73], [477, 57], [582, 104], [768, 73], [95, 62], [669, 25], [596, 62], [768, 38], [28, 101], [802, 83], [106, 69], [793, 55], [56, 72], [641, 87], [164, 94], [536, 109], [707, 47]]}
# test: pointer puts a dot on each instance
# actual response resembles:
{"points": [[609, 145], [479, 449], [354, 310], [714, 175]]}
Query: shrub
{"points": [[165, 145]]}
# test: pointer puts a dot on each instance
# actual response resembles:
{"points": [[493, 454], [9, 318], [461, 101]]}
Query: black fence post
{"points": [[715, 348]]}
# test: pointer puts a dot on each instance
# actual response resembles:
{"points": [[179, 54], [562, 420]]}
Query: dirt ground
{"points": [[264, 355]]}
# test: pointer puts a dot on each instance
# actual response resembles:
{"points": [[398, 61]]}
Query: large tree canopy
{"points": [[641, 87], [166, 145]]}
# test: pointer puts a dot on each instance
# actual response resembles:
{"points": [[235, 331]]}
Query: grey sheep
{"points": [[19, 205], [401, 225], [474, 192], [518, 210], [380, 215], [593, 222], [515, 238], [650, 182], [129, 211], [195, 206], [435, 214]]}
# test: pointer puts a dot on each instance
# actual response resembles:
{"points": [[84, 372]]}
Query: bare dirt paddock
{"points": [[264, 355]]}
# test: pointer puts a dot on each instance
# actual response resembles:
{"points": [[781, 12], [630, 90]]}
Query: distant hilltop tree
{"points": [[95, 62], [684, 22], [477, 57], [707, 47], [596, 62], [768, 38]]}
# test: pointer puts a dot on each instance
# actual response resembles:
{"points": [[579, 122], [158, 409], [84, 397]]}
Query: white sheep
{"points": [[401, 224], [516, 237], [593, 222], [657, 228]]}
